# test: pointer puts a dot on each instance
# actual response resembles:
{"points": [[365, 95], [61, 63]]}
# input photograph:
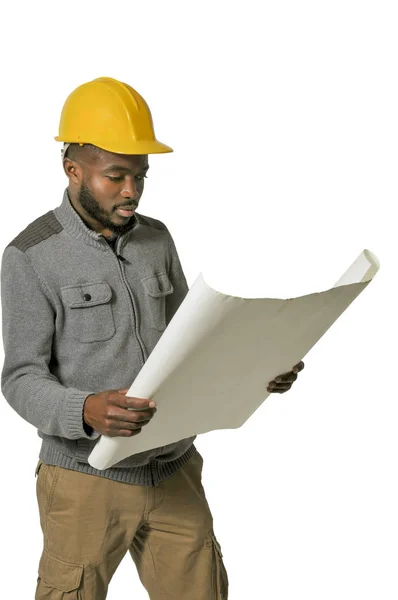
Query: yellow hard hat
{"points": [[109, 114]]}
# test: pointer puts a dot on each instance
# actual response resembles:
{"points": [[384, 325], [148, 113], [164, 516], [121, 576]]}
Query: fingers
{"points": [[280, 389], [290, 375], [129, 419], [124, 433], [299, 367], [132, 402], [287, 377], [283, 383], [127, 414], [282, 380]]}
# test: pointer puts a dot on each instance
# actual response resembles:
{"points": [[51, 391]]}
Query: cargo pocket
{"points": [[58, 580], [88, 312], [157, 287], [220, 576]]}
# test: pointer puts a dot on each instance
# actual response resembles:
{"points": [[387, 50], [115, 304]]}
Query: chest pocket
{"points": [[88, 311], [156, 288]]}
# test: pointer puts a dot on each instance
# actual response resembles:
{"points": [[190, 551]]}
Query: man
{"points": [[87, 290]]}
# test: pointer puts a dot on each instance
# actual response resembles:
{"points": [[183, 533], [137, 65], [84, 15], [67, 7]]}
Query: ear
{"points": [[73, 170]]}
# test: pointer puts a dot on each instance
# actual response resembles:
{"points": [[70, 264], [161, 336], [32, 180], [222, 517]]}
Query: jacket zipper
{"points": [[120, 259]]}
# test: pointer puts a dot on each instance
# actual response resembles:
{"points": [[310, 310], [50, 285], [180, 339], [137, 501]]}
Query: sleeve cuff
{"points": [[75, 423]]}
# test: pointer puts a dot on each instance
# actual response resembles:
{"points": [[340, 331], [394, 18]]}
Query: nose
{"points": [[129, 189]]}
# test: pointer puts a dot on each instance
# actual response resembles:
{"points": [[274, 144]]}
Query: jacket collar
{"points": [[74, 224]]}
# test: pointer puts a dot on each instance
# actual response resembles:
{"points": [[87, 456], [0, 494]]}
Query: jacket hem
{"points": [[150, 474]]}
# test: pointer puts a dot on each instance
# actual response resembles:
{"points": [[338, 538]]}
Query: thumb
{"points": [[123, 390]]}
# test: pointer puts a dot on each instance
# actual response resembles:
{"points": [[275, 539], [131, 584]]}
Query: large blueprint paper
{"points": [[210, 368]]}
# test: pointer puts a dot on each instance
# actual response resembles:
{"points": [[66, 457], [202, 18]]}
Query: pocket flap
{"points": [[86, 294], [59, 574], [158, 285]]}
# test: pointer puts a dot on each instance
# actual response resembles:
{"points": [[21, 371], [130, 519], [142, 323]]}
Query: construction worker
{"points": [[87, 290]]}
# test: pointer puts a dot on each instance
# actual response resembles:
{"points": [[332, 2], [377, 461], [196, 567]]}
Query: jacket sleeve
{"points": [[28, 325], [178, 280]]}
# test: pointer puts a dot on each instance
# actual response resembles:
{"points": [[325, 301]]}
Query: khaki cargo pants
{"points": [[90, 522]]}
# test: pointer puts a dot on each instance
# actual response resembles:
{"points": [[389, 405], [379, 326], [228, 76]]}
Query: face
{"points": [[99, 185]]}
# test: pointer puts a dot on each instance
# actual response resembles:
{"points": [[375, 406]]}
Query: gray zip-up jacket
{"points": [[80, 316]]}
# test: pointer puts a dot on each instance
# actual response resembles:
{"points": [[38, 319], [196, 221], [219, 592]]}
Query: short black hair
{"points": [[75, 151]]}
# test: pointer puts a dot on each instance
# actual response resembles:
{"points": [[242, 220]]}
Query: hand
{"points": [[284, 382], [107, 412]]}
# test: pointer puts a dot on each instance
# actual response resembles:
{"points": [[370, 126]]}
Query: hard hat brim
{"points": [[118, 147]]}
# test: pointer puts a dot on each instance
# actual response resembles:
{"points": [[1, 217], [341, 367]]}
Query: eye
{"points": [[120, 178]]}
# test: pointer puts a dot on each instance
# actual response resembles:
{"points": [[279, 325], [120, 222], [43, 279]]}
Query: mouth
{"points": [[127, 211]]}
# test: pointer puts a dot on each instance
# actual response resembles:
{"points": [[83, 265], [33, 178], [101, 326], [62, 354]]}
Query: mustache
{"points": [[132, 204]]}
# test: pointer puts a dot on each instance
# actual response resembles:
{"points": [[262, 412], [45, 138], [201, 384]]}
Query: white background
{"points": [[283, 121]]}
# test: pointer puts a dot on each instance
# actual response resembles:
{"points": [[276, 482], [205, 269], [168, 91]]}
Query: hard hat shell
{"points": [[109, 114]]}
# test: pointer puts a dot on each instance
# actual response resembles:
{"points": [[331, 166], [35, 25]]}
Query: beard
{"points": [[95, 210]]}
